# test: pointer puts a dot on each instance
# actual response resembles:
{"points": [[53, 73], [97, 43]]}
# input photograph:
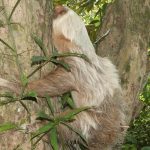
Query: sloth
{"points": [[95, 84]]}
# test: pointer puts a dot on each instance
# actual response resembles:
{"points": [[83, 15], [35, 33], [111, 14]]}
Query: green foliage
{"points": [[7, 126], [54, 121], [53, 138], [32, 96], [61, 63], [43, 60], [24, 79], [49, 103], [36, 60], [67, 100]]}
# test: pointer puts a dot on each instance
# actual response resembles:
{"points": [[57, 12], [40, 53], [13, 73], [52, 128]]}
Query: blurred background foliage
{"points": [[92, 12]]}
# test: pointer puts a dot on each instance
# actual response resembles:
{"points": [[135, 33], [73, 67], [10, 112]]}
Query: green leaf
{"points": [[70, 102], [43, 116], [129, 147], [104, 8], [39, 42], [54, 52], [89, 6], [43, 129], [7, 126], [53, 138], [48, 100], [30, 96], [67, 100], [24, 79], [69, 115], [68, 54], [94, 21], [36, 60], [77, 132], [61, 63]]}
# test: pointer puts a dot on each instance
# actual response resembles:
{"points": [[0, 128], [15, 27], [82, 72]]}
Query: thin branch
{"points": [[5, 54], [1, 8], [14, 9], [25, 51], [59, 55], [14, 50], [38, 68], [11, 36], [101, 38], [7, 45]]}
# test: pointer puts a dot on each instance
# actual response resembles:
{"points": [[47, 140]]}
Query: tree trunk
{"points": [[29, 17], [127, 45]]}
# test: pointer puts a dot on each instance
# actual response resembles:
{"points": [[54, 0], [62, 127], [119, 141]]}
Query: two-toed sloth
{"points": [[94, 84]]}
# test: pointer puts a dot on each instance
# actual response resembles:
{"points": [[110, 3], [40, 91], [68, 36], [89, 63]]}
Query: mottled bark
{"points": [[29, 17], [127, 45]]}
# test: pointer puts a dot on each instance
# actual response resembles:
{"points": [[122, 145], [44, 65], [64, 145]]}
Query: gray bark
{"points": [[127, 45], [29, 17]]}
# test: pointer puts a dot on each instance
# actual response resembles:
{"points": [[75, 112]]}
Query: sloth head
{"points": [[69, 27]]}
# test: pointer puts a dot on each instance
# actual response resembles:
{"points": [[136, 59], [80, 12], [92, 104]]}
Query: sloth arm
{"points": [[55, 83]]}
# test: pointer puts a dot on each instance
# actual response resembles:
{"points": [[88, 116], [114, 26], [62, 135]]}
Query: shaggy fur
{"points": [[93, 84]]}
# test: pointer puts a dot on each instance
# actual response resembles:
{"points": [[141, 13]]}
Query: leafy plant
{"points": [[54, 121], [7, 126]]}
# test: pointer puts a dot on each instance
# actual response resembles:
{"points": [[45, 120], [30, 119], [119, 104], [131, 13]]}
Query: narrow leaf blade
{"points": [[43, 129], [53, 138], [61, 63], [50, 104], [36, 60], [7, 126]]}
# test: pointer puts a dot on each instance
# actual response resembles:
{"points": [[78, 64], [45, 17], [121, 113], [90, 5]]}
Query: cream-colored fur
{"points": [[95, 81]]}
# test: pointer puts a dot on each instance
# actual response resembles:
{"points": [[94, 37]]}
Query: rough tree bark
{"points": [[127, 45], [29, 17]]}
